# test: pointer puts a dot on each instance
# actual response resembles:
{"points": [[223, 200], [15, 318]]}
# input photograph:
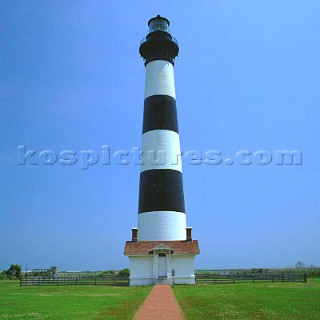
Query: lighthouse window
{"points": [[158, 24], [162, 254]]}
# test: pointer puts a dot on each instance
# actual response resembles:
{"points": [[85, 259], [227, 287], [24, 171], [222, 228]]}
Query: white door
{"points": [[162, 266]]}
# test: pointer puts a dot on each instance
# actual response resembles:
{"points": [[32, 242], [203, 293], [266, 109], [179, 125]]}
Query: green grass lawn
{"points": [[243, 301], [68, 303], [246, 301]]}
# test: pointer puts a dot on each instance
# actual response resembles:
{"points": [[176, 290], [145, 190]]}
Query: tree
{"points": [[124, 273], [3, 275], [53, 270], [109, 272], [14, 271], [300, 265]]}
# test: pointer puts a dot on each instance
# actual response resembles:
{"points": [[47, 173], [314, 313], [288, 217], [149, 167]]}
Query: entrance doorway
{"points": [[162, 265]]}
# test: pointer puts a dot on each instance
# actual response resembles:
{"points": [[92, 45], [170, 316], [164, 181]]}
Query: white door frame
{"points": [[156, 263], [162, 265]]}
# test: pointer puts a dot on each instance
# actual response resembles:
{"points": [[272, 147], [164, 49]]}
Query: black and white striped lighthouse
{"points": [[161, 249], [161, 199]]}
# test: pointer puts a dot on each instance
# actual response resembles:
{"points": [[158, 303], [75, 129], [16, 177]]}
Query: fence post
{"points": [[95, 281], [283, 277]]}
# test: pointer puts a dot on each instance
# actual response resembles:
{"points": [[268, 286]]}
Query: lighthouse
{"points": [[161, 249]]}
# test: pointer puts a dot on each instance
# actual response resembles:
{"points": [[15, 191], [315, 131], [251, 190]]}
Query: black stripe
{"points": [[161, 190], [160, 112]]}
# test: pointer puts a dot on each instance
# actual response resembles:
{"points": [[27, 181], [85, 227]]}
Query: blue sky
{"points": [[247, 78]]}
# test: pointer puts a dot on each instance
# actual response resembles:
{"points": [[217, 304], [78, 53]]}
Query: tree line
{"points": [[15, 272]]}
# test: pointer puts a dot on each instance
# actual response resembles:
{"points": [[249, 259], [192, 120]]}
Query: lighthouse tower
{"points": [[161, 249]]}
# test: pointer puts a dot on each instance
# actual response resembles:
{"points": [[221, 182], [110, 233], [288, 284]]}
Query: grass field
{"points": [[251, 301], [69, 303], [242, 301]]}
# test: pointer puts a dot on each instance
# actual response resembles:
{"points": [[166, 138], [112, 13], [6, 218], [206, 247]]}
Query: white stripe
{"points": [[159, 79], [161, 225], [161, 150]]}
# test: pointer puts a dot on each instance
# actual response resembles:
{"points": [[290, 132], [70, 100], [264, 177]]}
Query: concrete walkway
{"points": [[160, 304]]}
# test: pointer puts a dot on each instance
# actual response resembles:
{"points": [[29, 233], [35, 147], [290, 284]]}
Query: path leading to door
{"points": [[160, 304]]}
